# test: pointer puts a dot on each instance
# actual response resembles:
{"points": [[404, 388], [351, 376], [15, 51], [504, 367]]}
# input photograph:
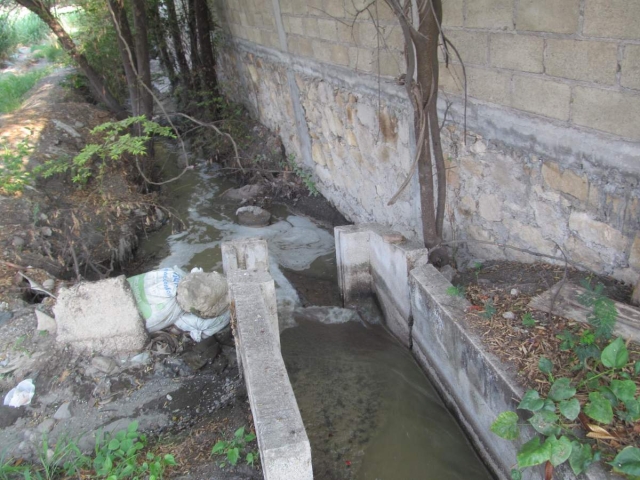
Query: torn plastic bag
{"points": [[155, 294], [200, 328], [21, 394]]}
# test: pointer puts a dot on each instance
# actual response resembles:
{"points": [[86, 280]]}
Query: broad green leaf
{"points": [[516, 474], [627, 461], [625, 390], [250, 437], [561, 390], [632, 412], [506, 426], [219, 447], [250, 459], [560, 449], [533, 453], [636, 367], [608, 394], [169, 459], [531, 401], [133, 426], [545, 365], [233, 455], [549, 406], [113, 445], [239, 433], [599, 408], [545, 423], [615, 355], [570, 408], [581, 457]]}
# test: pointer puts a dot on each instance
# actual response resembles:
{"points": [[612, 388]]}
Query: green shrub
{"points": [[7, 36], [29, 29], [13, 88]]}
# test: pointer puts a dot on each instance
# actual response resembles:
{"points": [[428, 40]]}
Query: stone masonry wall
{"points": [[552, 153]]}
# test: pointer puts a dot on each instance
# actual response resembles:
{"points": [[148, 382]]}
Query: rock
{"points": [[63, 412], [244, 193], [66, 128], [203, 294], [508, 315], [46, 231], [5, 316], [45, 322], [18, 242], [49, 284], [141, 359], [101, 317], [253, 216], [104, 364], [46, 426], [448, 272], [515, 292]]}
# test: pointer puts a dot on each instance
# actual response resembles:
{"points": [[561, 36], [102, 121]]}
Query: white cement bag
{"points": [[155, 294], [200, 328]]}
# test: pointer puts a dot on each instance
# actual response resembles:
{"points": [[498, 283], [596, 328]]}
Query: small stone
{"points": [[104, 364], [63, 412], [45, 322], [169, 397], [478, 147], [46, 231], [49, 284], [141, 359], [508, 315], [253, 216], [46, 426], [515, 292], [44, 217], [79, 124], [18, 242]]}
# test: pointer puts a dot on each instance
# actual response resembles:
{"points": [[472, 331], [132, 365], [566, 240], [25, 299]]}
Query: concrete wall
{"points": [[552, 152]]}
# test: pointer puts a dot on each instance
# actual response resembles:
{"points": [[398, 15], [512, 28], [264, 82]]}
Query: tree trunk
{"points": [[96, 82], [142, 57], [193, 45], [207, 58], [127, 52], [178, 46]]}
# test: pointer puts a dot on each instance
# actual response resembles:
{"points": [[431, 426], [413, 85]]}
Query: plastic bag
{"points": [[21, 394], [155, 294], [200, 328]]}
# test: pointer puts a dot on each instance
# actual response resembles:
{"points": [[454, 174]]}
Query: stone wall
{"points": [[551, 158]]}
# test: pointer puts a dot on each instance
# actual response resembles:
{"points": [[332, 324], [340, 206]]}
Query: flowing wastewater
{"points": [[369, 410]]}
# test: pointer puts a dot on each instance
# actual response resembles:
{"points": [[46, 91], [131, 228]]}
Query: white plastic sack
{"points": [[200, 328], [21, 394], [155, 294]]}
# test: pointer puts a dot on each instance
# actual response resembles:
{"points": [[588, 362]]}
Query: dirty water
{"points": [[369, 410]]}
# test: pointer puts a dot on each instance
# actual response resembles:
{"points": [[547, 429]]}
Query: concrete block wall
{"points": [[553, 118]]}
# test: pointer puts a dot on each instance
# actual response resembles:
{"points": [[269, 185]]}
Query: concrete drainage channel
{"points": [[375, 266]]}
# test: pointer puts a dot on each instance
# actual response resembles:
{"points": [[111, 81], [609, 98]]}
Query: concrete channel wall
{"points": [[374, 263], [285, 452]]}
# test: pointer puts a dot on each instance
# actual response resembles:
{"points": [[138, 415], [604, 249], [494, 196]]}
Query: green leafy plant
{"points": [[237, 448], [14, 176], [528, 320], [118, 141], [610, 393], [306, 177], [489, 309], [456, 291]]}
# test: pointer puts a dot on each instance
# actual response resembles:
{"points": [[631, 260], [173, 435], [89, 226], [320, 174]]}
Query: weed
{"points": [[606, 386], [489, 309], [13, 88], [456, 291], [528, 320], [29, 28], [13, 173], [234, 450], [307, 178], [477, 266]]}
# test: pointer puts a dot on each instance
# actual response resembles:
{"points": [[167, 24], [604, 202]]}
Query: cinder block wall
{"points": [[551, 159]]}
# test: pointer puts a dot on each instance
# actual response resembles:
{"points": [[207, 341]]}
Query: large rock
{"points": [[101, 317], [203, 294], [247, 192], [253, 216]]}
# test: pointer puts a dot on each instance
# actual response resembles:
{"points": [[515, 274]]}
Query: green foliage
{"points": [[306, 177], [117, 143], [528, 320], [7, 36], [13, 173], [603, 315], [28, 27], [489, 309], [116, 456], [13, 87], [234, 450], [455, 291], [53, 52]]}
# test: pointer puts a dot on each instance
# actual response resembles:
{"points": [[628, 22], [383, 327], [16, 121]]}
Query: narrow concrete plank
{"points": [[567, 305]]}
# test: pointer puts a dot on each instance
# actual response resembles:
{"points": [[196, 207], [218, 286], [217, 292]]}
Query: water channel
{"points": [[369, 410]]}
